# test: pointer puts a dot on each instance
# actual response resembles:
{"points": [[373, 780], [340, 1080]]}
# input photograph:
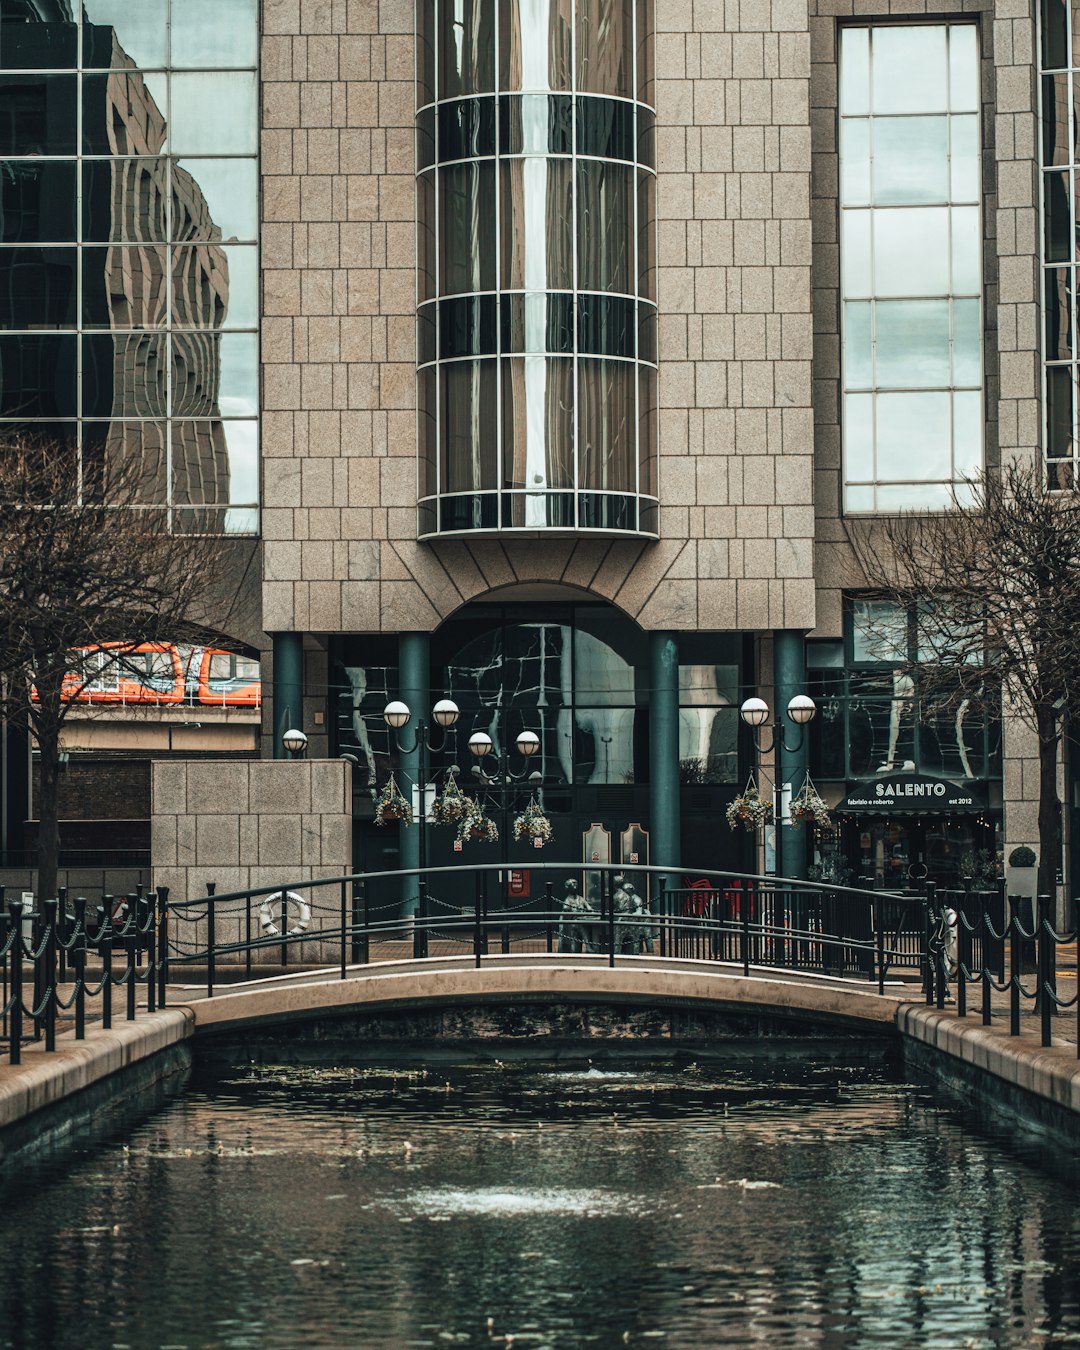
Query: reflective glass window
{"points": [[125, 201], [605, 226], [213, 113], [537, 213], [208, 33], [911, 263], [38, 287], [38, 376], [467, 48], [38, 114], [37, 201], [45, 45], [215, 286], [118, 33], [125, 375], [124, 287], [537, 226], [535, 44], [605, 47]]}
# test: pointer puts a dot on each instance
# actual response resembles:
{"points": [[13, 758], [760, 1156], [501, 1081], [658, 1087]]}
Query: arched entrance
{"points": [[578, 676]]}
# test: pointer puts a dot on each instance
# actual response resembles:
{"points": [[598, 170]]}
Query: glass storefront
{"points": [[577, 676]]}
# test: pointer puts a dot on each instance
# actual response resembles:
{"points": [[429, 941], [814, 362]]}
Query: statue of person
{"points": [[575, 935], [639, 935]]}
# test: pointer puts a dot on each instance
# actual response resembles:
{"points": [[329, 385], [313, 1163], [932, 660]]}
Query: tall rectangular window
{"points": [[1059, 67], [910, 265]]}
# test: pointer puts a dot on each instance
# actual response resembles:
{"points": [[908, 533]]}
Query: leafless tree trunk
{"points": [[89, 569], [997, 588]]}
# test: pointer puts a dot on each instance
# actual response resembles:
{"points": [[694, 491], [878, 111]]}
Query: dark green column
{"points": [[413, 689], [664, 815], [288, 709], [789, 679]]}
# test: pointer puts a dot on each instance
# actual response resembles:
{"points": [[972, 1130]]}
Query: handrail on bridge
{"points": [[745, 920]]}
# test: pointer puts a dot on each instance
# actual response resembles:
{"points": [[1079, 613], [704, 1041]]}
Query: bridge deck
{"points": [[532, 976]]}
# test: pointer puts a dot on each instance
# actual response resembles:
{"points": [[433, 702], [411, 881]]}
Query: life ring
{"points": [[268, 914]]}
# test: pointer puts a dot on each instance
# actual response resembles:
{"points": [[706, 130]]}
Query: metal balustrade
{"points": [[63, 958]]}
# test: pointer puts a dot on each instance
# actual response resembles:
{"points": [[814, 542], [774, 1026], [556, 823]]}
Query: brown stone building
{"points": [[584, 329]]}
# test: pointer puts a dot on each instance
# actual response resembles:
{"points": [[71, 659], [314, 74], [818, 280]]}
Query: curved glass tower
{"points": [[536, 266]]}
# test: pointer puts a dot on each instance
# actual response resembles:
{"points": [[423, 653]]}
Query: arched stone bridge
{"points": [[522, 996]]}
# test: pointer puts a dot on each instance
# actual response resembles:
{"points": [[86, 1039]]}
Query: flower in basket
{"points": [[809, 807], [533, 824], [475, 826], [749, 810], [451, 804], [391, 805]]}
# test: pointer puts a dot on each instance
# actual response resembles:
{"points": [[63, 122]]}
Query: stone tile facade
{"points": [[249, 823], [734, 252]]}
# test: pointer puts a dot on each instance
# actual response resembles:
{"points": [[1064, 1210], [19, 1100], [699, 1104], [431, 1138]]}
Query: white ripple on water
{"points": [[504, 1202]]}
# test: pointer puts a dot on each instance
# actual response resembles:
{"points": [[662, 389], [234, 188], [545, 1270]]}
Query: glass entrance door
{"points": [[903, 852]]}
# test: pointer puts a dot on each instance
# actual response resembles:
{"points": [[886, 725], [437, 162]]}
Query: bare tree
{"points": [[996, 589], [88, 571]]}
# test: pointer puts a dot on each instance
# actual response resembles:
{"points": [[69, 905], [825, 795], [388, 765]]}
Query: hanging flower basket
{"points": [[391, 805], [533, 824], [451, 804], [809, 807], [475, 827], [749, 809]]}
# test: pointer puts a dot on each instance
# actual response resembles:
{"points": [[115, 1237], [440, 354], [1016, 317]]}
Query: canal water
{"points": [[772, 1203]]}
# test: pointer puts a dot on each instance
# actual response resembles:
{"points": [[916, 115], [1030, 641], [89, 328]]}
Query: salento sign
{"points": [[913, 793]]}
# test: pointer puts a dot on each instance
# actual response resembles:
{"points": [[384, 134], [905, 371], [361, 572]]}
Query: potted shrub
{"points": [[1021, 875]]}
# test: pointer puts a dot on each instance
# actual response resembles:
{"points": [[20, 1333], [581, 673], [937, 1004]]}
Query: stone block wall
{"points": [[734, 254], [250, 824]]}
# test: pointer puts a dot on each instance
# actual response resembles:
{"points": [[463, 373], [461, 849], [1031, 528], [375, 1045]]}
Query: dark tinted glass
{"points": [[37, 202], [426, 320], [647, 332], [37, 375], [606, 325], [427, 385], [1059, 411], [536, 124], [37, 287], [538, 323], [467, 326], [28, 43], [1058, 312], [469, 513], [1054, 44], [425, 52], [124, 375], [124, 200], [425, 138], [556, 508], [607, 513], [646, 146], [37, 114], [605, 127], [467, 128], [1058, 218]]}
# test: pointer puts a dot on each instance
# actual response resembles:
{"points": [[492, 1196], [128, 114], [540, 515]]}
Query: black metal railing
{"points": [[991, 940], [746, 921], [44, 953]]}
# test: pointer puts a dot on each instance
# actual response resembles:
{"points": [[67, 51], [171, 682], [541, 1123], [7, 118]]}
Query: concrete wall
{"points": [[734, 254], [249, 824]]}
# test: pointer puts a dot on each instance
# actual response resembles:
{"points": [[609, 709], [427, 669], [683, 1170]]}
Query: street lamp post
{"points": [[800, 712], [396, 714], [528, 743]]}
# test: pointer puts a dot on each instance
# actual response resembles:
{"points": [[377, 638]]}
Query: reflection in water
{"points": [[762, 1204]]}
